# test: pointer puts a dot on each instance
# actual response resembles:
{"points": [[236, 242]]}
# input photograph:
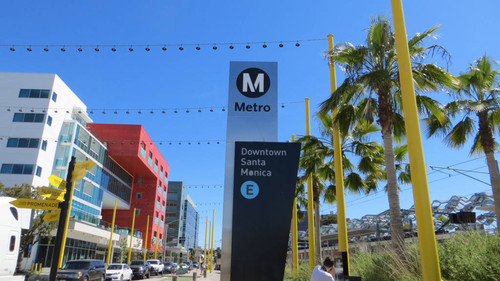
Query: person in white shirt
{"points": [[325, 272]]}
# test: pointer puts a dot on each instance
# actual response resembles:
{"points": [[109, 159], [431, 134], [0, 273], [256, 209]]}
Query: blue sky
{"points": [[193, 79]]}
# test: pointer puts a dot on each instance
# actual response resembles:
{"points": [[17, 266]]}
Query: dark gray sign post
{"points": [[265, 175]]}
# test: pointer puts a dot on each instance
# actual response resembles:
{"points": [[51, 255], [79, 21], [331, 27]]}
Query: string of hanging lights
{"points": [[174, 110], [149, 47]]}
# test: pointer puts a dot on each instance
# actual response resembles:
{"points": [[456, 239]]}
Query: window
{"points": [[23, 142], [38, 171], [12, 243], [34, 93], [137, 211], [44, 145], [29, 117], [18, 169], [138, 195], [49, 120], [140, 180], [54, 96]]}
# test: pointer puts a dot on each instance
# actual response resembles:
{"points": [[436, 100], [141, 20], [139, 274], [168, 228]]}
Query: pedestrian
{"points": [[325, 272]]}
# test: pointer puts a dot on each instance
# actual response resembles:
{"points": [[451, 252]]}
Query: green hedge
{"points": [[471, 256]]}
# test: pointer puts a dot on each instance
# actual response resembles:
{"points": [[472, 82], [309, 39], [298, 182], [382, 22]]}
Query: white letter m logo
{"points": [[258, 84]]}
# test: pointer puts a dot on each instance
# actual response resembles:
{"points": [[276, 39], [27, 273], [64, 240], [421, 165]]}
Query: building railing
{"points": [[87, 218]]}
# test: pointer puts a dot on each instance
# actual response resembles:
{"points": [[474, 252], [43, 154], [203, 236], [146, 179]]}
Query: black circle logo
{"points": [[253, 82]]}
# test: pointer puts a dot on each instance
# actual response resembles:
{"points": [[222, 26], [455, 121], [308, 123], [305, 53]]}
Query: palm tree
{"points": [[317, 161], [477, 98], [372, 70]]}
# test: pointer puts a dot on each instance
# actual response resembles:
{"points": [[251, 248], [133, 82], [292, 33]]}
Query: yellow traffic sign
{"points": [[80, 170], [36, 204], [52, 216], [51, 193], [57, 182]]}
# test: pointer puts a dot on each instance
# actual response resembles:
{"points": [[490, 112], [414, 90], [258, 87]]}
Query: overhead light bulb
{"points": [[214, 47], [113, 49], [231, 47], [164, 48], [131, 49], [181, 48], [147, 49], [63, 49], [29, 49], [264, 46], [297, 44], [96, 49], [198, 48], [80, 49], [12, 49], [281, 45]]}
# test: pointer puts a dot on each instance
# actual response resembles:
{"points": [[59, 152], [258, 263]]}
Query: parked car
{"points": [[82, 270], [156, 266], [196, 265], [119, 271], [140, 268], [170, 267], [184, 266]]}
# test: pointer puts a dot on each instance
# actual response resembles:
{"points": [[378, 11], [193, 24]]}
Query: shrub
{"points": [[471, 256]]}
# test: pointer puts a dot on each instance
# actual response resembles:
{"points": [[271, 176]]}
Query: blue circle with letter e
{"points": [[249, 189]]}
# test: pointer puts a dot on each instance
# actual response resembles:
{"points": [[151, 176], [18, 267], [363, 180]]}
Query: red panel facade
{"points": [[132, 148]]}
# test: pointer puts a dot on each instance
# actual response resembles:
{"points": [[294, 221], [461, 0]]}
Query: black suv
{"points": [[140, 268], [82, 270]]}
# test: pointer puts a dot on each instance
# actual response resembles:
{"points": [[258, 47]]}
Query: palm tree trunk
{"points": [[488, 143], [317, 232], [495, 182], [397, 233]]}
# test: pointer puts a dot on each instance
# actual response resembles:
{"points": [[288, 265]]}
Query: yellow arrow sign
{"points": [[36, 204], [52, 216], [81, 169], [57, 182], [51, 193]]}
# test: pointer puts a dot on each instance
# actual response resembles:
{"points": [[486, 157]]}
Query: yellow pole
{"points": [[212, 251], [295, 231], [157, 240], [111, 236], [310, 203], [209, 252], [65, 233], [205, 251], [339, 172], [146, 240], [425, 225], [131, 238]]}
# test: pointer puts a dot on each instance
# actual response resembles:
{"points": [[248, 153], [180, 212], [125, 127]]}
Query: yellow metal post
{"points": [[111, 235], [157, 240], [205, 251], [146, 240], [212, 248], [310, 203], [65, 233], [295, 232], [339, 171], [209, 241], [425, 225], [131, 238]]}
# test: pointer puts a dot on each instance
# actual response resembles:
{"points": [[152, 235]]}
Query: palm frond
{"points": [[459, 133]]}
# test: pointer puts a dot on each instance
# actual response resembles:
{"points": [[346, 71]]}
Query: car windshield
{"points": [[115, 267], [153, 262], [168, 263], [77, 265], [137, 263]]}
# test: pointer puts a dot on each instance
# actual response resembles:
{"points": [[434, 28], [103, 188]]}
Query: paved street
{"points": [[214, 276]]}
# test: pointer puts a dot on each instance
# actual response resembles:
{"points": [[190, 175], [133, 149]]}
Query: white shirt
{"points": [[320, 275]]}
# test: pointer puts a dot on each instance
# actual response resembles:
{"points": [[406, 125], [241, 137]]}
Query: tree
{"points": [[317, 161], [372, 70], [38, 228], [476, 103], [329, 219]]}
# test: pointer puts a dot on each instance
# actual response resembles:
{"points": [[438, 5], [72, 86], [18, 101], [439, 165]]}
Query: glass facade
{"points": [[75, 250], [190, 225]]}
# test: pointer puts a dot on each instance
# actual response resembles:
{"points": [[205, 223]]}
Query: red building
{"points": [[133, 149]]}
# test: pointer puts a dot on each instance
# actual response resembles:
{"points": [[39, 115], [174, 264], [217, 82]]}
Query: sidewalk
{"points": [[214, 276]]}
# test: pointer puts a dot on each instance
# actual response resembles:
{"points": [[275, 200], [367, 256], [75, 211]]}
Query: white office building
{"points": [[42, 125]]}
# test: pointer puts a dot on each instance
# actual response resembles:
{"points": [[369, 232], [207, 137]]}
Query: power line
{"points": [[159, 46], [167, 110]]}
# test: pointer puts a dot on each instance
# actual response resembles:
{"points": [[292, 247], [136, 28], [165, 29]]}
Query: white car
{"points": [[119, 271], [157, 266]]}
